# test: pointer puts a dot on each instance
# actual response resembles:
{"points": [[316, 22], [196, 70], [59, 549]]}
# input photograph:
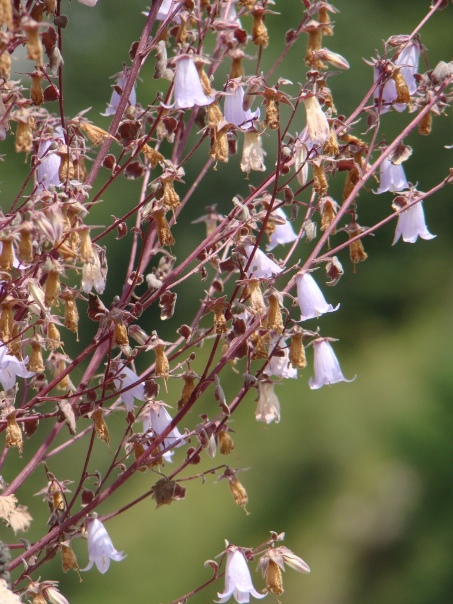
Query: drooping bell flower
{"points": [[238, 582], [234, 110], [188, 91], [100, 547], [116, 96], [311, 299], [283, 233], [411, 222], [392, 177], [327, 367]]}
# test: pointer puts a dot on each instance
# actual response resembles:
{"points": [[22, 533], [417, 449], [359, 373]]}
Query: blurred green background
{"points": [[358, 475]]}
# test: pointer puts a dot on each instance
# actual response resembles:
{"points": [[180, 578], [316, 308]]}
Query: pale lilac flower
{"points": [[261, 266], [234, 111], [88, 2], [100, 547], [125, 378], [392, 177], [159, 421], [48, 171], [116, 97], [188, 91], [11, 368], [268, 408], [284, 233], [280, 366], [411, 225], [238, 582], [327, 367], [311, 299]]}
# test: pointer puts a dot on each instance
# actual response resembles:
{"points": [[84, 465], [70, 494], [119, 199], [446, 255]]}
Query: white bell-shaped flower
{"points": [[100, 547], [411, 225], [283, 233], [392, 177], [261, 267], [234, 111], [311, 299], [327, 367], [125, 379], [11, 368], [238, 582], [116, 96], [188, 91]]}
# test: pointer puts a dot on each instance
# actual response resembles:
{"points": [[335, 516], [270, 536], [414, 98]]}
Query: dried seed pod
{"points": [[13, 433], [36, 363], [402, 89], [189, 378], [226, 444], [296, 354], [274, 316], [163, 229], [239, 493], [53, 336], [68, 558], [52, 288], [100, 427], [256, 302]]}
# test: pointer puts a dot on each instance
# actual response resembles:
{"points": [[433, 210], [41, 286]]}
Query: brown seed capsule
{"points": [[274, 316], [424, 126], [13, 433], [65, 383], [96, 135], [153, 156], [6, 13], [163, 230], [260, 36], [274, 581], [100, 427], [53, 336], [356, 250], [6, 322], [71, 314], [34, 46], [120, 337], [24, 137], [239, 493], [226, 444], [402, 89], [171, 198], [25, 250], [52, 288], [352, 179], [320, 184], [189, 386], [256, 302], [36, 363], [66, 171], [272, 117], [68, 558], [36, 92], [296, 355], [219, 150], [162, 364], [5, 65], [328, 209], [331, 146], [6, 255]]}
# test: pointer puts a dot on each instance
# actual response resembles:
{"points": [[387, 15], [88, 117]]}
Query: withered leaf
{"points": [[6, 595], [20, 519], [68, 415]]}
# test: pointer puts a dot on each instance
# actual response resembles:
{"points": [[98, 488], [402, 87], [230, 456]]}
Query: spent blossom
{"points": [[327, 367], [100, 547], [238, 582], [268, 408]]}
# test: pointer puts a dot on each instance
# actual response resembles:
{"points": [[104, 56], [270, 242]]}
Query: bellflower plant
{"points": [[193, 144]]}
